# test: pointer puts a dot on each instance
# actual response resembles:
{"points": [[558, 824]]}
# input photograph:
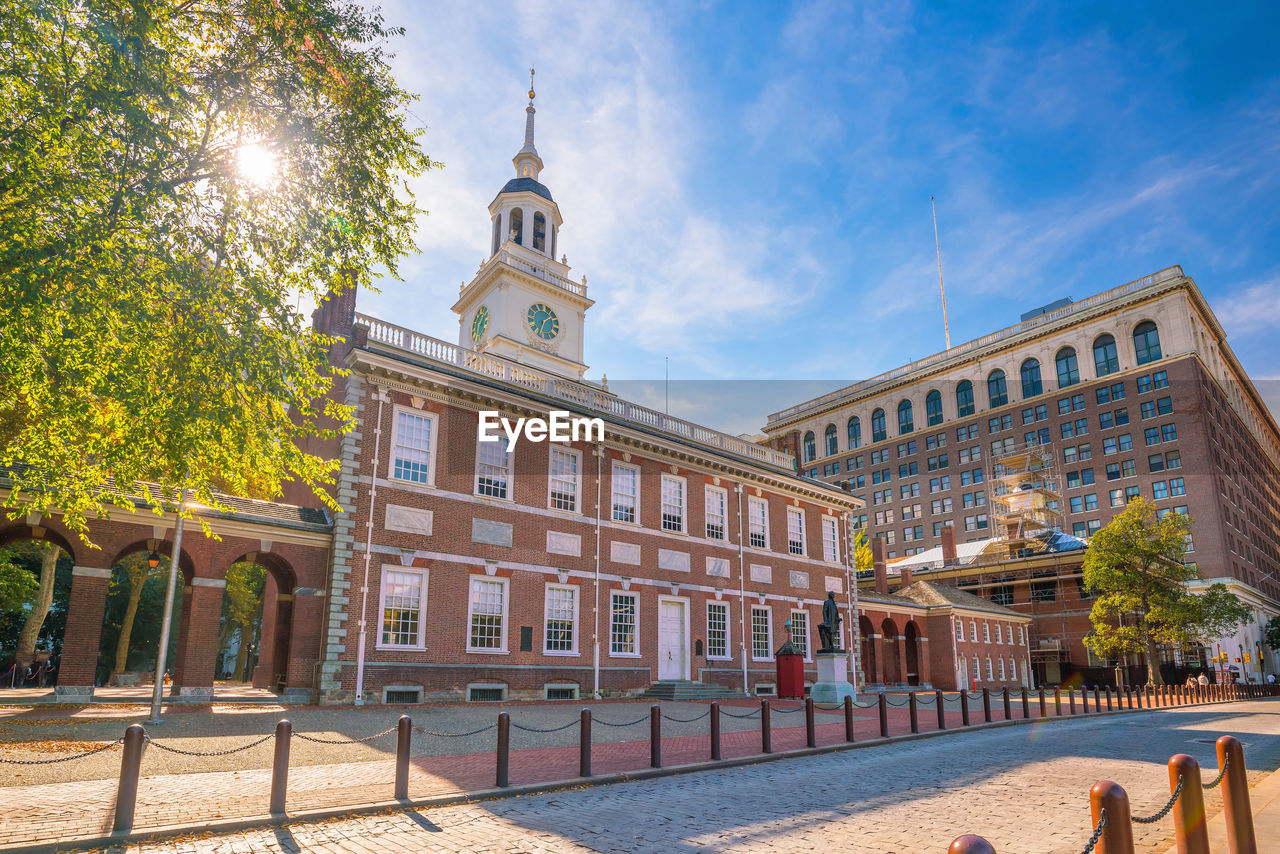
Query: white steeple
{"points": [[528, 163]]}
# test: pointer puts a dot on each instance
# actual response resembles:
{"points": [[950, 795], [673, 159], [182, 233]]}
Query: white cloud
{"points": [[1254, 309]]}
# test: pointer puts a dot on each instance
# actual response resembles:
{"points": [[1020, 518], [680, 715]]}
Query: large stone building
{"points": [[1131, 392]]}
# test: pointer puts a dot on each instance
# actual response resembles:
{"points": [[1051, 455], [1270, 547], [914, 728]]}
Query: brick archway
{"points": [[868, 651], [891, 661], [912, 653]]}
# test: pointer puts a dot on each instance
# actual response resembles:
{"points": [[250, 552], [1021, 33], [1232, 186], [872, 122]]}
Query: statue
{"points": [[829, 628]]}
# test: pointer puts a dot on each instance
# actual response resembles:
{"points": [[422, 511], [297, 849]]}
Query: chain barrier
{"points": [[787, 711], [319, 740], [687, 720], [1217, 781], [68, 758], [1164, 812], [426, 731], [515, 725], [892, 703], [169, 749], [750, 714], [1097, 833], [640, 719]]}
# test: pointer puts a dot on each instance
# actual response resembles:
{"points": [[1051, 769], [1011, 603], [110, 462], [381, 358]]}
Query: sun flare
{"points": [[257, 165]]}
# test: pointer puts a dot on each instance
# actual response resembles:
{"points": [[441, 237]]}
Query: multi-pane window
{"points": [[1146, 342], [761, 636], [757, 523], [990, 674], [564, 479], [940, 505], [1159, 489], [829, 438], [562, 618], [964, 399], [906, 421], [855, 433], [878, 431], [487, 614], [1106, 360], [493, 468], [1177, 486], [1002, 670], [411, 454], [986, 633], [800, 631], [977, 669], [795, 531], [622, 624], [933, 407], [830, 539], [1031, 385], [1117, 497], [403, 607], [717, 630], [963, 434], [1068, 367], [910, 490], [626, 492], [959, 630], [673, 503], [997, 389], [717, 512], [973, 631], [1168, 432]]}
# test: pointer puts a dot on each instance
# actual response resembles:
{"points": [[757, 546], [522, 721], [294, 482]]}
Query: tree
{"points": [[178, 176], [16, 584], [1135, 568], [242, 610], [136, 569], [862, 557], [1271, 636], [43, 593]]}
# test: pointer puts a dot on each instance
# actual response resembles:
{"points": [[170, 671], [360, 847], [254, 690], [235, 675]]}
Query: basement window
{"points": [[486, 693]]}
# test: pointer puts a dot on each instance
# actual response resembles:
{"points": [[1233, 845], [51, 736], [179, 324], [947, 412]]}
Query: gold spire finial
{"points": [[531, 84]]}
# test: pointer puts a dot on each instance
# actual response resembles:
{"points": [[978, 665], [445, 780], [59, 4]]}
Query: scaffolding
{"points": [[1024, 493]]}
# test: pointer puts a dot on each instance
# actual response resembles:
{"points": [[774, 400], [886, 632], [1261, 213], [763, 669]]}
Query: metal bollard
{"points": [[1044, 711], [404, 738], [504, 750], [715, 731], [986, 704], [1128, 698], [280, 767], [1071, 695], [942, 710], [911, 707], [1026, 706], [810, 730], [970, 844], [1057, 702], [1117, 836], [1097, 699], [655, 736], [1190, 828], [766, 732], [135, 738], [848, 719], [884, 717], [1108, 698], [964, 707], [1235, 797], [1004, 697], [584, 744]]}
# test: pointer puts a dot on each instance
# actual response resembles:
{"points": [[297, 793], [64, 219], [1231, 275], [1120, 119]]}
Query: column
{"points": [[84, 632], [198, 647], [902, 658], [304, 643], [263, 672], [922, 659]]}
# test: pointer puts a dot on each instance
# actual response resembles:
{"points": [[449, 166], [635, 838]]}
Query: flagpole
{"points": [[946, 326]]}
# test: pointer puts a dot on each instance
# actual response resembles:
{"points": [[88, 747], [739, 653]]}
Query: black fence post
{"points": [[942, 712], [280, 767], [766, 731], [884, 717], [1108, 692], [1097, 701], [964, 707], [135, 739], [986, 704], [810, 728], [504, 750], [1071, 696], [915, 715], [1057, 702], [655, 736], [715, 730], [584, 744], [848, 719], [1026, 706], [404, 737], [1004, 697]]}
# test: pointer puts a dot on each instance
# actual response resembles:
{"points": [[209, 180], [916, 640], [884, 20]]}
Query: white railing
{"points": [[581, 394], [524, 265], [976, 344]]}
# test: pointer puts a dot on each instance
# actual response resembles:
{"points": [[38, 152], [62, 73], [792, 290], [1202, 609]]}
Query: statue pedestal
{"points": [[833, 678]]}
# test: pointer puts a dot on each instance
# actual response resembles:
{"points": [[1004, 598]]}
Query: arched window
{"points": [[1146, 342], [517, 227], [878, 431], [497, 234], [964, 399], [1031, 385], [906, 422], [855, 433], [933, 407], [539, 232], [810, 447], [1105, 359], [833, 445], [1068, 367], [997, 390]]}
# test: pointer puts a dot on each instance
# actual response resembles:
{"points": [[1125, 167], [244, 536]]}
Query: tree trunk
{"points": [[126, 627], [242, 654], [44, 598], [1153, 663]]}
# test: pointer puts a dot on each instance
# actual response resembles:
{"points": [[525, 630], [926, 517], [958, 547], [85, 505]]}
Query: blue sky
{"points": [[746, 186]]}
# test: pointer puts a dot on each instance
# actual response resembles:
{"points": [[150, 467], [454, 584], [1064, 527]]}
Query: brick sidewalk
{"points": [[85, 809]]}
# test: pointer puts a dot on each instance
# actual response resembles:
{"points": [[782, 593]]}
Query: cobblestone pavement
{"points": [[1024, 788]]}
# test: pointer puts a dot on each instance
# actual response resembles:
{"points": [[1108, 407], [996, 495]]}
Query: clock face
{"points": [[480, 323], [543, 321]]}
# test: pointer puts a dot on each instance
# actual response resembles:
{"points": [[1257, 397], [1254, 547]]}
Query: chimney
{"points": [[877, 561], [336, 313], [948, 545], [906, 578]]}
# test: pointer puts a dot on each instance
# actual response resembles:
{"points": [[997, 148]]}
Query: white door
{"points": [[671, 639]]}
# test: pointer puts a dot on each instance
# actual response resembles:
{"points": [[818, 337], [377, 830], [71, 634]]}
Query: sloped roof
{"points": [[934, 595], [518, 185]]}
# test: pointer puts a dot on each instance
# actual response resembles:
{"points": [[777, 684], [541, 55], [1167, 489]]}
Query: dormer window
{"points": [[517, 226], [539, 232]]}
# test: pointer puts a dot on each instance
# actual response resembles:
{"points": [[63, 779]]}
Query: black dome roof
{"points": [[519, 185]]}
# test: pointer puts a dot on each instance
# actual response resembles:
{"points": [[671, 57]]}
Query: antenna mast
{"points": [[946, 326]]}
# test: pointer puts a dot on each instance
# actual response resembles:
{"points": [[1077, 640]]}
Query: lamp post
{"points": [[157, 693]]}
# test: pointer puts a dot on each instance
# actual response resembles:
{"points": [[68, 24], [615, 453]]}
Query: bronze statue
{"points": [[829, 628]]}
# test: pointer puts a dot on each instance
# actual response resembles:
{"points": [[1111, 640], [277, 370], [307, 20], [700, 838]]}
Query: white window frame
{"points": [[577, 479], [830, 539], [546, 618], [1013, 668], [635, 634], [506, 613], [977, 669], [768, 612], [808, 645], [752, 504], [422, 605], [973, 631], [1002, 670], [683, 486], [991, 674], [433, 444], [728, 645], [716, 496], [795, 531], [999, 635], [959, 630], [986, 632], [510, 470], [618, 468], [1009, 632]]}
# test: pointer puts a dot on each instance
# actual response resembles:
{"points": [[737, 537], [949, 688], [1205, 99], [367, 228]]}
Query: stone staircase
{"points": [[682, 689]]}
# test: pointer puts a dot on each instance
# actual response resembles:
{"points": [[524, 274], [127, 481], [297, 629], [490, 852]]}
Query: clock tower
{"points": [[522, 305]]}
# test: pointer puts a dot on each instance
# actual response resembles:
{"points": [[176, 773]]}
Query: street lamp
{"points": [[153, 559]]}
